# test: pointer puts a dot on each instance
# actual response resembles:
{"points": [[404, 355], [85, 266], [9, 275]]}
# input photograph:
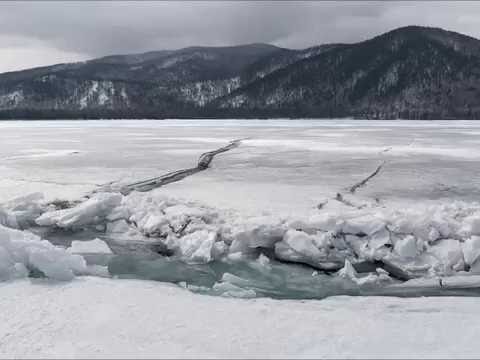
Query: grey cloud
{"points": [[100, 28]]}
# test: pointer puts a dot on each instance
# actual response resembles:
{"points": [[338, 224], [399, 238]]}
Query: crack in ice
{"points": [[203, 163]]}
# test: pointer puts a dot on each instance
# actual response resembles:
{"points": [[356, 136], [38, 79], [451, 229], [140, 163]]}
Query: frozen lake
{"points": [[235, 230], [282, 167], [282, 177]]}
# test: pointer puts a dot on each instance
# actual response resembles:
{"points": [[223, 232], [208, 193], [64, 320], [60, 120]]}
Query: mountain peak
{"points": [[430, 32]]}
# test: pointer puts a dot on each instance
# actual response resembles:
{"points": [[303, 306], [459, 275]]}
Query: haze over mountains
{"points": [[411, 72]]}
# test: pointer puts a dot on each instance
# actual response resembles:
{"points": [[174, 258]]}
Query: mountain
{"points": [[150, 84], [411, 72]]}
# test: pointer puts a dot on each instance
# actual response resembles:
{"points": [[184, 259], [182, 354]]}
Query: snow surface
{"points": [[103, 318], [284, 167]]}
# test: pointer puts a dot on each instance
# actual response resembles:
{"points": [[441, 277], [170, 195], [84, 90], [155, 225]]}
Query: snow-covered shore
{"points": [[104, 318]]}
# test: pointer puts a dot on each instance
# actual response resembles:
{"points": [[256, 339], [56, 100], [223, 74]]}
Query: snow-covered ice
{"points": [[104, 318], [284, 195], [435, 236]]}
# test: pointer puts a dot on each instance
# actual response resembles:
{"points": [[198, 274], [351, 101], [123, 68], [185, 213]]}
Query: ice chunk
{"points": [[348, 271], [257, 232], [358, 244], [219, 249], [406, 247], [158, 216], [235, 256], [298, 246], [471, 225], [3, 218], [155, 223], [30, 203], [372, 279], [197, 246], [234, 279], [449, 254], [367, 225], [379, 239], [428, 224], [433, 234], [117, 227], [90, 212], [471, 249], [338, 242], [263, 260], [21, 252], [227, 289], [95, 246], [22, 212], [326, 222], [118, 213], [302, 243], [97, 270], [298, 243], [475, 267], [234, 286]]}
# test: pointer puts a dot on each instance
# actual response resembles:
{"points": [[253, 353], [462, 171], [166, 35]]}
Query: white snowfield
{"points": [[104, 318], [276, 192]]}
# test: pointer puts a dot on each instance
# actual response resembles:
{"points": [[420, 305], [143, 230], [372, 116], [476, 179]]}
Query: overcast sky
{"points": [[41, 33]]}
